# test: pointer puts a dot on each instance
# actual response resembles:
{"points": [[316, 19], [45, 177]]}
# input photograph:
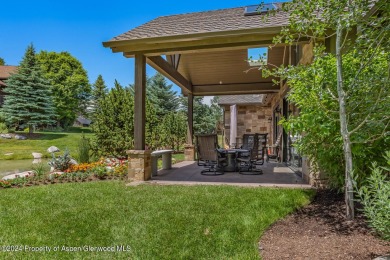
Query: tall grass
{"points": [[83, 149]]}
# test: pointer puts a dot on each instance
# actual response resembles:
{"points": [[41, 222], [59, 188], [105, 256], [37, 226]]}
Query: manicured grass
{"points": [[178, 157], [156, 222], [22, 149]]}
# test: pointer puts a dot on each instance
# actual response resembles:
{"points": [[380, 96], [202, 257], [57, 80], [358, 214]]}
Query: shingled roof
{"points": [[223, 20], [241, 99], [5, 71]]}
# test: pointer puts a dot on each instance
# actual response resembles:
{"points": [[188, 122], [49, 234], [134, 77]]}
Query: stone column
{"points": [[189, 152], [140, 168]]}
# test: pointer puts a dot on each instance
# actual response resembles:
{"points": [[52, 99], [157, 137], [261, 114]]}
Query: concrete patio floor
{"points": [[188, 173]]}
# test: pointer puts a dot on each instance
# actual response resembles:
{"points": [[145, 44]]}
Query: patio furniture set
{"points": [[244, 160]]}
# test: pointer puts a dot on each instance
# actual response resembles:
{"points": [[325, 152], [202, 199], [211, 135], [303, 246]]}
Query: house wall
{"points": [[250, 119]]}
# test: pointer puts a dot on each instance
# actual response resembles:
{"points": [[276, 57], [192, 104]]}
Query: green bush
{"points": [[3, 128], [39, 170], [99, 171], [61, 162], [374, 194], [83, 149]]}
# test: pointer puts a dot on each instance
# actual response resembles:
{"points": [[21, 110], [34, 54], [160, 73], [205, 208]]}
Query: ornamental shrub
{"points": [[61, 163], [374, 194], [83, 149]]}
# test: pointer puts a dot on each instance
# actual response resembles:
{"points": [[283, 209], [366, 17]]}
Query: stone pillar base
{"points": [[140, 168], [315, 178], [189, 152]]}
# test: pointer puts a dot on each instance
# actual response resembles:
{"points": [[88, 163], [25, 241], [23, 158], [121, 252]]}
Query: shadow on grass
{"points": [[43, 136], [85, 130], [50, 136]]}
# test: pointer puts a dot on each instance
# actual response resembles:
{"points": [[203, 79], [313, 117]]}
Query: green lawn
{"points": [[22, 149], [155, 222]]}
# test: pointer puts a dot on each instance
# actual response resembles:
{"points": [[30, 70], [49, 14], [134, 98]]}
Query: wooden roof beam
{"points": [[162, 66], [195, 44], [201, 49], [235, 89]]}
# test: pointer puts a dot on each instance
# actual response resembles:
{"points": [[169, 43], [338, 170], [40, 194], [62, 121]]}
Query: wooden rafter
{"points": [[162, 66], [232, 89]]}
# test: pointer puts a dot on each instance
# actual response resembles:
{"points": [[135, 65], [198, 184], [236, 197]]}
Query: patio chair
{"points": [[273, 151], [247, 162], [208, 155]]}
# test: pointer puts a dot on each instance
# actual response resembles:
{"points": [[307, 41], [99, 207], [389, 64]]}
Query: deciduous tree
{"points": [[358, 95], [70, 85]]}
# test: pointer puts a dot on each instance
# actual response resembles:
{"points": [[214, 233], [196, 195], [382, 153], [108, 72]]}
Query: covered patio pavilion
{"points": [[206, 54]]}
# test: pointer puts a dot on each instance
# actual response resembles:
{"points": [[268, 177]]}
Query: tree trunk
{"points": [[344, 127], [30, 130]]}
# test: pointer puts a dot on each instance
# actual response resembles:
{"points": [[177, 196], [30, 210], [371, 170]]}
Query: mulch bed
{"points": [[321, 231]]}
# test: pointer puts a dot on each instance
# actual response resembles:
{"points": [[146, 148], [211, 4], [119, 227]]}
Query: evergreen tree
{"points": [[152, 133], [28, 98], [173, 129], [2, 62], [99, 88], [113, 125], [162, 95], [217, 112], [99, 92], [204, 118]]}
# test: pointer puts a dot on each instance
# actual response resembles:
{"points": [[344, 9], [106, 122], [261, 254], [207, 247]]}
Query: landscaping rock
{"points": [[73, 161], [20, 137], [37, 158], [53, 149], [37, 155], [17, 175], [56, 173], [6, 136], [386, 257]]}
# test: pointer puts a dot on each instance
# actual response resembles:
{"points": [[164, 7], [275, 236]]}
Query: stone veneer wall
{"points": [[140, 166], [250, 119]]}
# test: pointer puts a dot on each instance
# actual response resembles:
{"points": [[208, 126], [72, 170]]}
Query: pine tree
{"points": [[162, 95], [113, 125], [99, 91], [99, 88], [205, 120], [28, 100], [2, 62]]}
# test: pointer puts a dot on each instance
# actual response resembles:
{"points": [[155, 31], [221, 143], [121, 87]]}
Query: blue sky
{"points": [[80, 27]]}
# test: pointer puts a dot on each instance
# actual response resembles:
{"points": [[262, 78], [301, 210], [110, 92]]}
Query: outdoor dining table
{"points": [[231, 155]]}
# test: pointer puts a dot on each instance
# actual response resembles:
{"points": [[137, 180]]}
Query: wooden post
{"points": [[190, 112], [189, 149], [139, 102]]}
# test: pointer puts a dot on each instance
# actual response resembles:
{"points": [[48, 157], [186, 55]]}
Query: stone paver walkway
{"points": [[188, 173]]}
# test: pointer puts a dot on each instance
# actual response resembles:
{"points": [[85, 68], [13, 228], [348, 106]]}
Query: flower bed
{"points": [[101, 170]]}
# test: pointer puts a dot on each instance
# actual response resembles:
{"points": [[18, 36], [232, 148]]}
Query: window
{"points": [[259, 9], [257, 56]]}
